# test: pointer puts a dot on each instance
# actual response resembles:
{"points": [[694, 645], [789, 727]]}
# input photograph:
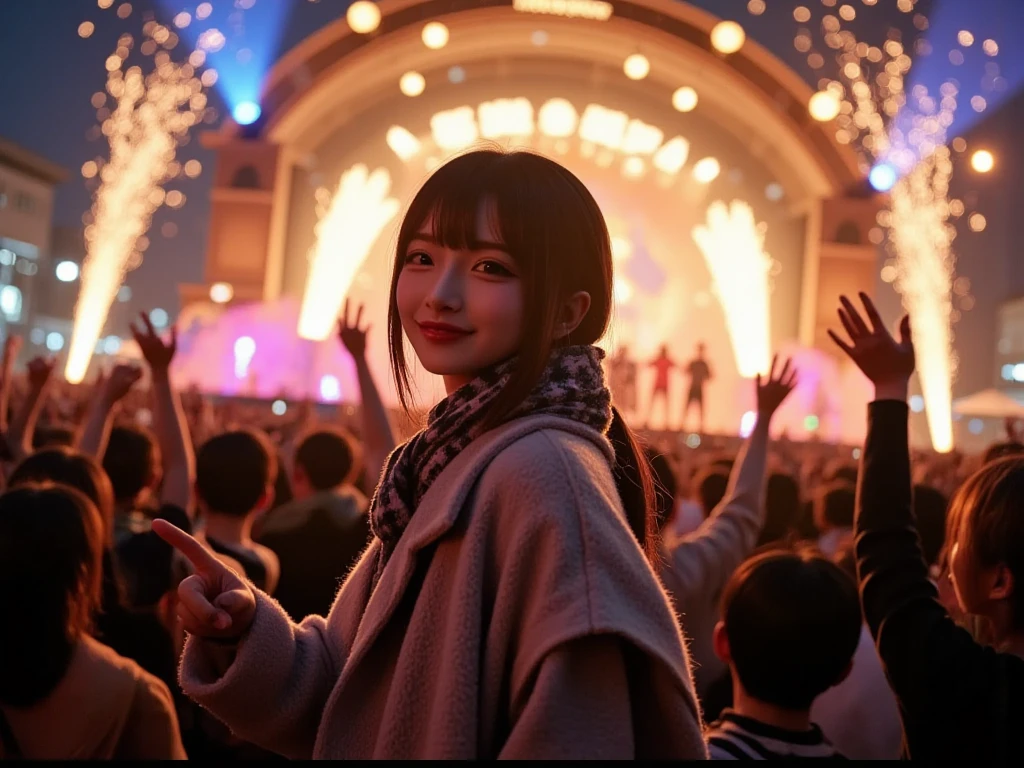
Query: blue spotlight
{"points": [[246, 113], [882, 177]]}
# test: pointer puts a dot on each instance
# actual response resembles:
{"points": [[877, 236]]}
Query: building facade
{"points": [[27, 184]]}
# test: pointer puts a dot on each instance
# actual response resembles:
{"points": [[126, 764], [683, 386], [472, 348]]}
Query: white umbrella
{"points": [[989, 403]]}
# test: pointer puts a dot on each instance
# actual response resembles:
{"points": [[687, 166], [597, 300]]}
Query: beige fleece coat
{"points": [[516, 618], [106, 707]]}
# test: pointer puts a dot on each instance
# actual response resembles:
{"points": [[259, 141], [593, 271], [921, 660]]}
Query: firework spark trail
{"points": [[733, 248], [153, 114], [922, 238], [919, 232]]}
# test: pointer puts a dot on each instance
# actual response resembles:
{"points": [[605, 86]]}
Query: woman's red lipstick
{"points": [[442, 333]]}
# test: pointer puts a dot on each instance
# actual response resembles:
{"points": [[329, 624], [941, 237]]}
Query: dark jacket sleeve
{"points": [[944, 680]]}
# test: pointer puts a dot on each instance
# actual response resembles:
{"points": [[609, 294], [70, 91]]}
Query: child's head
{"points": [[132, 462], [324, 460], [235, 473], [489, 234], [834, 506], [790, 624], [985, 537], [74, 469], [51, 549]]}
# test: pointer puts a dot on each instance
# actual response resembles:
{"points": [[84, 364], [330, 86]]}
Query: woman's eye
{"points": [[418, 258], [493, 268]]}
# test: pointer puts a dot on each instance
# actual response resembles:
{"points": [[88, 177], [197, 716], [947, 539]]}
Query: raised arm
{"points": [[99, 417], [704, 560], [23, 425], [12, 345], [378, 438], [171, 426], [938, 673]]}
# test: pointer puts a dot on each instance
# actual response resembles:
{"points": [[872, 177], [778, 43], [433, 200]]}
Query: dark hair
{"points": [[51, 545], [52, 436], [635, 483], [986, 517], [72, 468], [930, 512], [712, 483], [554, 229], [782, 508], [233, 471], [131, 461], [793, 622], [327, 457], [665, 487], [842, 471], [834, 505], [1002, 450]]}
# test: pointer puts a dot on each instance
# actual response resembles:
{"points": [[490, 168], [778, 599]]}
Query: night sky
{"points": [[50, 73]]}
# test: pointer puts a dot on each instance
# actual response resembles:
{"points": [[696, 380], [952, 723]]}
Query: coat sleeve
{"points": [[703, 561], [274, 690], [577, 707]]}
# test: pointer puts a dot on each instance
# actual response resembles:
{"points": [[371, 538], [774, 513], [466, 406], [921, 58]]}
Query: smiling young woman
{"points": [[505, 607]]}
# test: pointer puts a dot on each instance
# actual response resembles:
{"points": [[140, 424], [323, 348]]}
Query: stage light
{"points": [[811, 423], [747, 423], [705, 171], [10, 302], [633, 168], [727, 37], [882, 177], [622, 248], [245, 349], [774, 192], [221, 293], [363, 17], [622, 290], [636, 66], [355, 217], [505, 117], [824, 106], [54, 341], [279, 407], [412, 84], [641, 138], [402, 142], [246, 113], [684, 99], [456, 75], [977, 222], [66, 271], [454, 129], [603, 126], [916, 403], [671, 156], [330, 388], [159, 318], [983, 161], [435, 35], [732, 244], [558, 118]]}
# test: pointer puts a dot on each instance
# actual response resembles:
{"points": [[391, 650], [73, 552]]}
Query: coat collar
{"points": [[438, 512]]}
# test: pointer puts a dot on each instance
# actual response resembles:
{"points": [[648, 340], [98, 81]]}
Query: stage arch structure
{"points": [[336, 126]]}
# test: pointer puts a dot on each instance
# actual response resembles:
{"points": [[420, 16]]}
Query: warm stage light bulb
{"points": [[824, 106], [412, 84], [982, 161], [363, 16], [435, 35], [221, 293], [727, 37], [684, 99], [636, 67]]}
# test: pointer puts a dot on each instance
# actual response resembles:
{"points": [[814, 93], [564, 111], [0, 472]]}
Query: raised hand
{"points": [[351, 335], [214, 601], [120, 381], [157, 353], [772, 391], [12, 346], [40, 369], [888, 363]]}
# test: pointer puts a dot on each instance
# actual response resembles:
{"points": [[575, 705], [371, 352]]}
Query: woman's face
{"points": [[461, 309]]}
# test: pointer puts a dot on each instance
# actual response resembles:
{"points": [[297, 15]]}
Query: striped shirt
{"points": [[735, 737]]}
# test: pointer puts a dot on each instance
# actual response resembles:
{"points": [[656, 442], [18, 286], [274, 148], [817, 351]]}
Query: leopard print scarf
{"points": [[571, 386]]}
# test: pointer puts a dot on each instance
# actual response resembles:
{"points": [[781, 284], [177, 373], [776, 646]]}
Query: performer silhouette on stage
{"points": [[700, 373], [663, 366], [623, 380]]}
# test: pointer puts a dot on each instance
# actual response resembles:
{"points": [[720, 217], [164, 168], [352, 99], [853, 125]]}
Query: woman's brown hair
{"points": [[51, 554], [554, 229], [986, 518]]}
